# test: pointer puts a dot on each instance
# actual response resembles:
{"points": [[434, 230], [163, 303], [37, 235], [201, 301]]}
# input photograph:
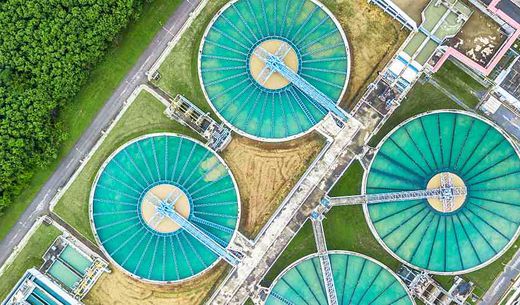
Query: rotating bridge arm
{"points": [[166, 209], [274, 63], [445, 193]]}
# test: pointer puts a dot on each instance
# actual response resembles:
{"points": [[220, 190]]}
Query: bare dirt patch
{"points": [[479, 39], [373, 37], [265, 174], [413, 8], [119, 289]]}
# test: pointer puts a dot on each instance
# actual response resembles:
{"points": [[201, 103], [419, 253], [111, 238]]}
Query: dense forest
{"points": [[47, 48]]}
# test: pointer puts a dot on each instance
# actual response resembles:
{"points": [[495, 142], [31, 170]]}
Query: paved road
{"points": [[136, 77], [503, 282]]}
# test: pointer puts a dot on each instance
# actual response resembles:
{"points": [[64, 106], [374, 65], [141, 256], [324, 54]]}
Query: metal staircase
{"points": [[185, 112]]}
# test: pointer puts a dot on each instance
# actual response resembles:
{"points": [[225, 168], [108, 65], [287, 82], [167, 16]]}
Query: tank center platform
{"points": [[168, 194], [437, 203], [259, 71]]}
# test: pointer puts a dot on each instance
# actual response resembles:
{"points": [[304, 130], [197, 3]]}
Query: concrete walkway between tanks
{"points": [[344, 146]]}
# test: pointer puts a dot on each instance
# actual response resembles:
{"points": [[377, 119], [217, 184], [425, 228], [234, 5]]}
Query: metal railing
{"points": [[444, 194], [326, 268], [274, 63], [165, 208]]}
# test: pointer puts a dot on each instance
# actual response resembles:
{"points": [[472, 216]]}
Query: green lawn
{"points": [[144, 116], [104, 79], [350, 182], [345, 227], [364, 24], [179, 72], [459, 83], [422, 98], [30, 256], [301, 245]]}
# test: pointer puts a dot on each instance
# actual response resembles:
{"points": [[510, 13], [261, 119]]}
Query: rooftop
{"points": [[36, 289]]}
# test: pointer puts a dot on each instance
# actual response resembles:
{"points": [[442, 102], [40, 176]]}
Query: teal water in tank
{"points": [[39, 297], [64, 274], [75, 259], [241, 100], [357, 281], [141, 165], [490, 168]]}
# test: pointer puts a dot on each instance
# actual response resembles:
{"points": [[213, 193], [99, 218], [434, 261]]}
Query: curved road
{"points": [[137, 76]]}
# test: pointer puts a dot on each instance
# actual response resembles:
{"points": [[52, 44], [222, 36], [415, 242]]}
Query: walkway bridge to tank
{"points": [[275, 63], [166, 208], [446, 193], [326, 269]]}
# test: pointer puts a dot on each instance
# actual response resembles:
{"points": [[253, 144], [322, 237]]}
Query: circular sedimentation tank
{"points": [[263, 105], [358, 279], [124, 206], [477, 226]]}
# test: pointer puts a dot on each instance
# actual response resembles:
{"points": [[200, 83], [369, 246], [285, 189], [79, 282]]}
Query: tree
{"points": [[47, 48]]}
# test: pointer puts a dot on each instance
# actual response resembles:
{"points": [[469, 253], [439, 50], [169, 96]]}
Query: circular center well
{"points": [[262, 74], [168, 194], [436, 202]]}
